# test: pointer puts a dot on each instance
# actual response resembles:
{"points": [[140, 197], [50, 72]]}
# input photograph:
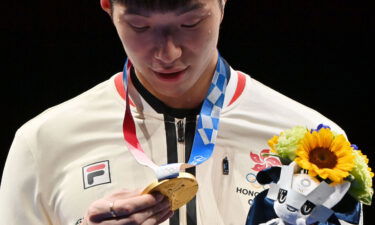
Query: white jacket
{"points": [[74, 153]]}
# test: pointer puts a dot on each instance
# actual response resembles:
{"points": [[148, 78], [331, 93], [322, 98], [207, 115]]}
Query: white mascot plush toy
{"points": [[323, 180], [300, 199]]}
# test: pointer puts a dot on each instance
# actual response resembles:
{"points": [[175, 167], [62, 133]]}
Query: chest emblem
{"points": [[96, 174], [263, 160]]}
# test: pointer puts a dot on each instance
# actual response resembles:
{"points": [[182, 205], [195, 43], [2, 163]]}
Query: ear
{"points": [[222, 9], [224, 2], [106, 6], [269, 175]]}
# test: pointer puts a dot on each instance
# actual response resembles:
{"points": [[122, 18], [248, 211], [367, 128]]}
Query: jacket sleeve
{"points": [[20, 195]]}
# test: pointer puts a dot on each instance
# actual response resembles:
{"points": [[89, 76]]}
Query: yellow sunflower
{"points": [[272, 142], [325, 155]]}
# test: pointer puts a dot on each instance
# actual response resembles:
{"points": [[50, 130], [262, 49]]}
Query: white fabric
{"points": [[43, 177]]}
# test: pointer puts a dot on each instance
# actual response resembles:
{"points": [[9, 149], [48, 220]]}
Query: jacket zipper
{"points": [[185, 129], [180, 130]]}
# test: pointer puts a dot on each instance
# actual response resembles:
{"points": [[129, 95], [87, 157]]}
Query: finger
{"points": [[167, 216], [159, 217], [104, 209], [126, 207], [156, 213], [141, 217]]}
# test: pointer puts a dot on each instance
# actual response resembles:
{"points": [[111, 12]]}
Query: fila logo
{"points": [[96, 174]]}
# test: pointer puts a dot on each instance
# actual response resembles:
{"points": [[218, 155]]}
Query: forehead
{"points": [[161, 6]]}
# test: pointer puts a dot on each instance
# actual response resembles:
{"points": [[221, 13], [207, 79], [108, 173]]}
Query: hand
{"points": [[129, 207]]}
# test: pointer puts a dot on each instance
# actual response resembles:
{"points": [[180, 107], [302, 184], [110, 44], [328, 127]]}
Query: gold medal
{"points": [[179, 190]]}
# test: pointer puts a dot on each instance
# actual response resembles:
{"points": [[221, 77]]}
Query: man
{"points": [[71, 165]]}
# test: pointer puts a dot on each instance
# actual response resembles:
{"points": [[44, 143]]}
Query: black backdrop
{"points": [[317, 52]]}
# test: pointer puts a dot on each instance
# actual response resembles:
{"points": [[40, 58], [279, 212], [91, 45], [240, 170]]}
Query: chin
{"points": [[172, 93]]}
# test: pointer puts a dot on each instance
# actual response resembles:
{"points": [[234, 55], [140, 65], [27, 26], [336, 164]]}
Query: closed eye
{"points": [[191, 25], [139, 28]]}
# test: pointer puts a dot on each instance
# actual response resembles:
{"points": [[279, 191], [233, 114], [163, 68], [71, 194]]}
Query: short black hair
{"points": [[157, 5]]}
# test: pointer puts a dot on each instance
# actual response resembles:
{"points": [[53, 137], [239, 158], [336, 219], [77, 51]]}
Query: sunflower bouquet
{"points": [[326, 156]]}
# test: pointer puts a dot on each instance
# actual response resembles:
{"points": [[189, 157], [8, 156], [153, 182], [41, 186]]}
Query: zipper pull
{"points": [[180, 131], [225, 166]]}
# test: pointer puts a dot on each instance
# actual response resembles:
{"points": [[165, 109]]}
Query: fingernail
{"points": [[159, 197]]}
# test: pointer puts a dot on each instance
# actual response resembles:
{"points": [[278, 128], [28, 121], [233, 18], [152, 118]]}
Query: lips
{"points": [[170, 75]]}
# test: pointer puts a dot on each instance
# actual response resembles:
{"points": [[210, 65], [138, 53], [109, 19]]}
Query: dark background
{"points": [[316, 52]]}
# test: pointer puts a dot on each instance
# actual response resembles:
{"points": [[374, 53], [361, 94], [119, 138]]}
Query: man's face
{"points": [[172, 52]]}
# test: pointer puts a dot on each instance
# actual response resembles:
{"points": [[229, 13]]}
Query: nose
{"points": [[168, 51]]}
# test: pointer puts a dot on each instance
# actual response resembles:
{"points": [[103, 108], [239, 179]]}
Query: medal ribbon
{"points": [[206, 131]]}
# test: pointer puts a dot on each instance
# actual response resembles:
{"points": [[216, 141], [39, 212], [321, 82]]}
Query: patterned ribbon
{"points": [[206, 131]]}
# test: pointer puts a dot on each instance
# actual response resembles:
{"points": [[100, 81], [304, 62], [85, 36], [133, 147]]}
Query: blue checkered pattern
{"points": [[208, 121]]}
